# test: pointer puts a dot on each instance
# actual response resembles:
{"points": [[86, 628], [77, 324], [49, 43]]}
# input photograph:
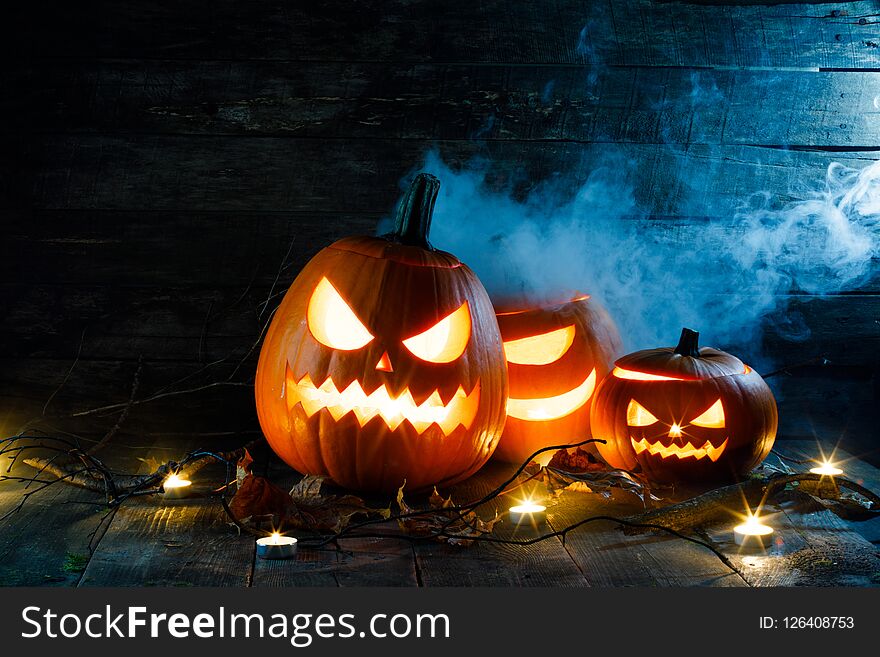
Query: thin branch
{"points": [[82, 339], [124, 415], [819, 360], [172, 393]]}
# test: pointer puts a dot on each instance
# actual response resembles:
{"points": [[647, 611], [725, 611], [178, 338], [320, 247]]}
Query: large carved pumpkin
{"points": [[556, 356], [684, 414], [384, 362]]}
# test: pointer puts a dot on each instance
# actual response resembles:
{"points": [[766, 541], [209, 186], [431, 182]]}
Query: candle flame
{"points": [[826, 469], [753, 527], [276, 538], [528, 506], [175, 481]]}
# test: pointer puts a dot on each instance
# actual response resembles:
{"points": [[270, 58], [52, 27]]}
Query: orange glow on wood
{"points": [[540, 349], [550, 408]]}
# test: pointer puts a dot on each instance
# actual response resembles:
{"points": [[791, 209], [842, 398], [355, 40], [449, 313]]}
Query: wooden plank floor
{"points": [[148, 543]]}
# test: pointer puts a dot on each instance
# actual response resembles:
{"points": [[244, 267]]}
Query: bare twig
{"points": [[124, 415], [163, 395], [82, 339]]}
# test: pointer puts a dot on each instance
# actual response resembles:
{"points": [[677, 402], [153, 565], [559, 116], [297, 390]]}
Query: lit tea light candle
{"points": [[752, 532], [826, 469], [529, 512], [175, 487], [276, 546]]}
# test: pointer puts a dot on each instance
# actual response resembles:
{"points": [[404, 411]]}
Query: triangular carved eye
{"points": [[638, 416], [446, 340], [332, 322], [713, 418], [540, 349]]}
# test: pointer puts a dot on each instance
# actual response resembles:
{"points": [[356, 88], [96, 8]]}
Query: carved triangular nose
{"points": [[675, 431], [384, 363]]}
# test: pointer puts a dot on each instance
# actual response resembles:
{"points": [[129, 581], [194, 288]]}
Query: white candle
{"points": [[752, 532], [826, 469], [276, 546], [528, 512], [175, 487]]}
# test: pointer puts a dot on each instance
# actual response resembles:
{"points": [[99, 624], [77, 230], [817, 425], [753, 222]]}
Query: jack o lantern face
{"points": [[335, 325], [544, 349], [556, 356], [384, 363], [701, 437], [684, 414]]}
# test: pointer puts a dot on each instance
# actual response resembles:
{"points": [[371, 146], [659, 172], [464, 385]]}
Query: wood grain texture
{"points": [[609, 558], [156, 545], [270, 174], [46, 543], [546, 563], [428, 101], [811, 545], [627, 32]]}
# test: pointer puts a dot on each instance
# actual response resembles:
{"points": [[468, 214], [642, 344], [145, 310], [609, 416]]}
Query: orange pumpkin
{"points": [[556, 356], [684, 414], [384, 362]]}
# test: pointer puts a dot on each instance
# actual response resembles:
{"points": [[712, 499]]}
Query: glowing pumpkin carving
{"points": [[384, 362], [684, 414], [556, 356]]}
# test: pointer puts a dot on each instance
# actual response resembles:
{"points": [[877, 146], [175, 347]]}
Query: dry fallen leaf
{"points": [[306, 506], [577, 461], [313, 509], [243, 468], [257, 496], [458, 527]]}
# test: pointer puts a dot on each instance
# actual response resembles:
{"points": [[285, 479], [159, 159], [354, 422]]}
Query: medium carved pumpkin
{"points": [[556, 356], [684, 414], [384, 362]]}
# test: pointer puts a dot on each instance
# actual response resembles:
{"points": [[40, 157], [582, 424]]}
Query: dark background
{"points": [[167, 167]]}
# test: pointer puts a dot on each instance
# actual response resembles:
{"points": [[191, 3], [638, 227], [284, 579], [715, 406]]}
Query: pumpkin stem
{"points": [[413, 221], [689, 343]]}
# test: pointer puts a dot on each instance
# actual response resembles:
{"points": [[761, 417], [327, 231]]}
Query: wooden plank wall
{"points": [[160, 160]]}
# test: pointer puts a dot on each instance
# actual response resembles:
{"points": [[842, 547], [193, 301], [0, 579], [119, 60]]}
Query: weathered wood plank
{"points": [[149, 544], [810, 548], [856, 468], [357, 562], [221, 409], [491, 564], [169, 249], [426, 101], [46, 543], [609, 558], [217, 250], [628, 32], [343, 176]]}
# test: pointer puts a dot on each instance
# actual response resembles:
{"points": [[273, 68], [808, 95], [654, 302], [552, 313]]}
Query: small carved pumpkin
{"points": [[556, 356], [684, 414], [384, 362]]}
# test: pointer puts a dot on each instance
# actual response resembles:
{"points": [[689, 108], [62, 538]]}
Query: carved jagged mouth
{"points": [[688, 450], [459, 411]]}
